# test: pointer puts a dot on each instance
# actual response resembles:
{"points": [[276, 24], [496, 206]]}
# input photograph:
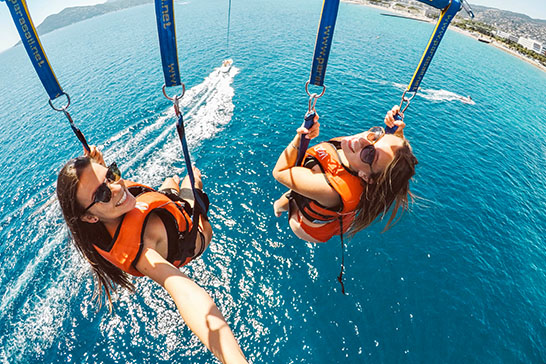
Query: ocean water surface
{"points": [[459, 279]]}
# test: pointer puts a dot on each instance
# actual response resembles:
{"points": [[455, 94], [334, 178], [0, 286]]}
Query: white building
{"points": [[531, 44], [508, 36]]}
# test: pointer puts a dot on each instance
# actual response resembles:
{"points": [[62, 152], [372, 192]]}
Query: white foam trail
{"points": [[210, 107], [212, 110], [444, 95], [439, 95]]}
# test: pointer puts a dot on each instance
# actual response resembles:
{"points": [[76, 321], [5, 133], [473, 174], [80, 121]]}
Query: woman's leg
{"points": [[295, 224], [170, 183], [205, 229], [185, 187], [281, 205]]}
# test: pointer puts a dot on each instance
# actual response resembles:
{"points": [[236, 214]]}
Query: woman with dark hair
{"points": [[344, 184], [122, 227]]}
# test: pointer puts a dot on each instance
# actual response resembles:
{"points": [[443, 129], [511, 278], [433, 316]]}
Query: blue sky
{"points": [[40, 9]]}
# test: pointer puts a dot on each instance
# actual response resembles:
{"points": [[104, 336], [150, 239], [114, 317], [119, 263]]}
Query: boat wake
{"points": [[439, 95]]}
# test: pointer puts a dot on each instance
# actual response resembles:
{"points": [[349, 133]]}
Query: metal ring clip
{"points": [[314, 95], [175, 97], [63, 108]]}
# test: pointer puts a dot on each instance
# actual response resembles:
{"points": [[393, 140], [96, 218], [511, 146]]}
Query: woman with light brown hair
{"points": [[125, 228]]}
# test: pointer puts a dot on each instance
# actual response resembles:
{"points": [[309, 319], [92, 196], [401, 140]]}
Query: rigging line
{"points": [[166, 31], [228, 27]]}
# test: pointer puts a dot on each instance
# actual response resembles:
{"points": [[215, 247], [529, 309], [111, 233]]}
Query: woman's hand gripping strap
{"points": [[403, 108], [308, 121], [304, 142]]}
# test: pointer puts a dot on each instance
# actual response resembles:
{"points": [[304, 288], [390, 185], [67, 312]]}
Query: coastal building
{"points": [[531, 44], [506, 35]]}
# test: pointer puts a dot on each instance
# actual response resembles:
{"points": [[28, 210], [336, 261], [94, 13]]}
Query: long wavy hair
{"points": [[389, 186], [85, 234]]}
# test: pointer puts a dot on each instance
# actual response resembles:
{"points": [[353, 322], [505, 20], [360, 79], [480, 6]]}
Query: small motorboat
{"points": [[226, 65], [467, 100]]}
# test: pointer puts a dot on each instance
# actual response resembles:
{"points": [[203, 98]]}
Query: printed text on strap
{"points": [[441, 26], [323, 43], [30, 40], [166, 31]]}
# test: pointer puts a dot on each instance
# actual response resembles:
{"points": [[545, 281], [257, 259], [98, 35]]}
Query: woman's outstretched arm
{"points": [[195, 306]]}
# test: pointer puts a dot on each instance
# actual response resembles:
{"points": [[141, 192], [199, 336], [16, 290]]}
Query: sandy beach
{"points": [[453, 28]]}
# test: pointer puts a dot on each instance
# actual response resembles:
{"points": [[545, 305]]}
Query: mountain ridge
{"points": [[76, 14]]}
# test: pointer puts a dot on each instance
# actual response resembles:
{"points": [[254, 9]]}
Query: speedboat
{"points": [[226, 65], [467, 100]]}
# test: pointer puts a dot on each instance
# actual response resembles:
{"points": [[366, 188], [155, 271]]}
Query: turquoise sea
{"points": [[460, 279]]}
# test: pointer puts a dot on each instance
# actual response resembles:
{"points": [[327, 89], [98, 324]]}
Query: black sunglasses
{"points": [[103, 193], [367, 154]]}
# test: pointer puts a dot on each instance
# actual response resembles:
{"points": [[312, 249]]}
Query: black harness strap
{"points": [[340, 277]]}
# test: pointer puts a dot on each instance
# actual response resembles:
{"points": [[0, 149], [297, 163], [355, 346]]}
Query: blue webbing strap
{"points": [[449, 9], [30, 40], [441, 26], [308, 122], [164, 10], [182, 136], [323, 43], [33, 46], [166, 31], [438, 4]]}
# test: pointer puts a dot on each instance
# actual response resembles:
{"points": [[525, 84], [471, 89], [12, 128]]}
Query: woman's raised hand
{"points": [[390, 120], [95, 154], [313, 132]]}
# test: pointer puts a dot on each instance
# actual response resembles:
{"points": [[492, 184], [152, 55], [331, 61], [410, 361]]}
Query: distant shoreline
{"points": [[501, 47], [408, 15], [405, 17]]}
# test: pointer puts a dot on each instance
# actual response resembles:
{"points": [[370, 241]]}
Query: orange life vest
{"points": [[127, 244], [348, 186]]}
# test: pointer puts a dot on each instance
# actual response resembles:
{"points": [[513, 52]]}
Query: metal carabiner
{"points": [[405, 99], [175, 99], [313, 97], [312, 102], [75, 129]]}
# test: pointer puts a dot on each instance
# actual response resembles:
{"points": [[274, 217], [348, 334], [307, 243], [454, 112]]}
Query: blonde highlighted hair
{"points": [[388, 187]]}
